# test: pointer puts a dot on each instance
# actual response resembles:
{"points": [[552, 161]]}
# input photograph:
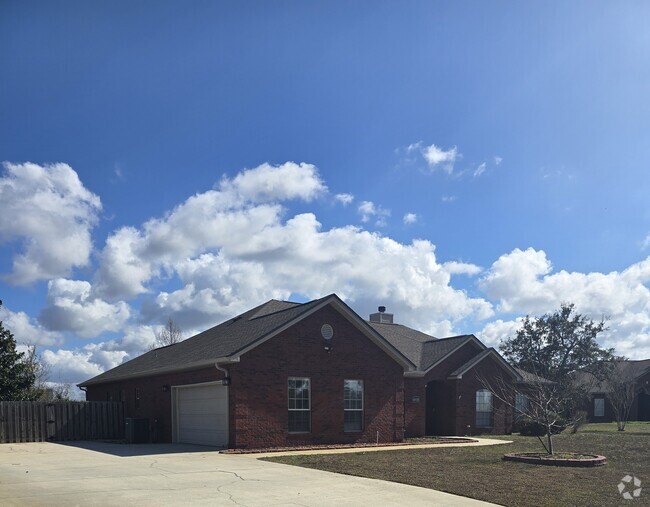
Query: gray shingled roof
{"points": [[625, 369], [459, 372], [531, 378], [408, 341], [237, 334], [435, 351], [223, 340], [421, 349]]}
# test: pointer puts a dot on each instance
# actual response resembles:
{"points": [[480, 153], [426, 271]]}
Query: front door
{"points": [[437, 411]]}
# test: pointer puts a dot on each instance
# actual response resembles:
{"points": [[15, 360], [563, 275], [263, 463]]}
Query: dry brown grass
{"points": [[480, 472]]}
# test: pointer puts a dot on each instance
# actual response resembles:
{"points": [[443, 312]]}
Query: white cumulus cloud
{"points": [[71, 306], [71, 366], [523, 282], [497, 331], [240, 209], [50, 213], [437, 158], [276, 183], [26, 331], [368, 210], [344, 199], [410, 218], [297, 257]]}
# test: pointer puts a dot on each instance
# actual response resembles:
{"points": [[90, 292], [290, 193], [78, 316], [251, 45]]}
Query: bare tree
{"points": [[620, 390], [39, 369], [536, 400], [548, 351], [168, 335]]}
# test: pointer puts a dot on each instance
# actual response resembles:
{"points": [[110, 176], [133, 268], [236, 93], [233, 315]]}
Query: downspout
{"points": [[226, 374]]}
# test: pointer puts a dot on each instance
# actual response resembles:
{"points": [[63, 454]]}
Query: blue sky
{"points": [[509, 141]]}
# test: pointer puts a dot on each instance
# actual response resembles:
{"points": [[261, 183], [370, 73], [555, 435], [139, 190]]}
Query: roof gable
{"points": [[234, 337], [476, 360], [628, 369]]}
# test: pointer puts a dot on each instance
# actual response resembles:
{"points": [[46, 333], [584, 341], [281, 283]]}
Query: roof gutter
{"points": [[160, 371], [226, 374]]}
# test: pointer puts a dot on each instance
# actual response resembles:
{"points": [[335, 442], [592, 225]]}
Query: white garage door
{"points": [[202, 414]]}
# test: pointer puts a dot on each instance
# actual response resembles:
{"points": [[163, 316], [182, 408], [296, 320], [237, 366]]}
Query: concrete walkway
{"points": [[479, 442], [102, 474]]}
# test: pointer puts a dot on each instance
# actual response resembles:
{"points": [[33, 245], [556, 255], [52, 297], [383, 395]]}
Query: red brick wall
{"points": [[458, 402], [415, 400], [258, 405], [466, 401], [155, 404], [415, 413], [260, 414]]}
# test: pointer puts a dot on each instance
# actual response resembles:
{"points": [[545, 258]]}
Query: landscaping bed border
{"points": [[594, 460], [438, 441]]}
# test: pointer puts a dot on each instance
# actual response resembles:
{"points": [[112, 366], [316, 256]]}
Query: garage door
{"points": [[202, 414]]}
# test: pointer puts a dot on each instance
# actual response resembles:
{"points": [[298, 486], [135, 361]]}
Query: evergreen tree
{"points": [[16, 377], [558, 344]]}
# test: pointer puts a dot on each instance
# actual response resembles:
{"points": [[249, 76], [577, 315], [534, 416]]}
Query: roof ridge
{"points": [[454, 337], [255, 316]]}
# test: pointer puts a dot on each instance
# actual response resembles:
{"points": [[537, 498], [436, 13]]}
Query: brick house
{"points": [[637, 372], [286, 374]]}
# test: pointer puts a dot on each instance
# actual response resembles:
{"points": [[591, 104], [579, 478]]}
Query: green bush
{"points": [[535, 429]]}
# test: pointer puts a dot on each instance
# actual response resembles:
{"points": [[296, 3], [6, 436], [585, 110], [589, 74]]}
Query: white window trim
{"points": [[308, 379], [363, 405], [491, 411]]}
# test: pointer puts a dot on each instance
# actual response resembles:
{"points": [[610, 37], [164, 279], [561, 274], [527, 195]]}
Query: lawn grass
{"points": [[632, 427], [480, 473]]}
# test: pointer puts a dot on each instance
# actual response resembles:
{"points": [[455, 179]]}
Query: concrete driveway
{"points": [[97, 473]]}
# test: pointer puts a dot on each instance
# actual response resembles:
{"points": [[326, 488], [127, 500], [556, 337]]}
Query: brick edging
{"points": [[459, 440], [593, 461]]}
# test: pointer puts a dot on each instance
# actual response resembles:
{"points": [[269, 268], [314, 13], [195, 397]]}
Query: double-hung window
{"points": [[299, 405], [353, 405], [483, 408]]}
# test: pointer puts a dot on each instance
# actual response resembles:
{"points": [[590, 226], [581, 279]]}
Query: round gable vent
{"points": [[327, 332]]}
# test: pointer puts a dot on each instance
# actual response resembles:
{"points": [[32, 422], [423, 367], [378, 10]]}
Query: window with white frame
{"points": [[599, 407], [483, 408], [299, 390], [353, 405]]}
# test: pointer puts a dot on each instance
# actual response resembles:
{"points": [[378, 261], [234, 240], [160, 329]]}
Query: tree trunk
{"points": [[549, 436]]}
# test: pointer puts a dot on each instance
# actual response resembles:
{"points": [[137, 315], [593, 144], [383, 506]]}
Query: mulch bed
{"points": [[561, 460], [458, 440]]}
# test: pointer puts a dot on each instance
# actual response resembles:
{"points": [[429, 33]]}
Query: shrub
{"points": [[534, 429]]}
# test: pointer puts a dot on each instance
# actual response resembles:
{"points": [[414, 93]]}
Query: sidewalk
{"points": [[479, 442]]}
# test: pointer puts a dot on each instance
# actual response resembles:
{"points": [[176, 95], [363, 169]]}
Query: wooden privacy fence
{"points": [[38, 421]]}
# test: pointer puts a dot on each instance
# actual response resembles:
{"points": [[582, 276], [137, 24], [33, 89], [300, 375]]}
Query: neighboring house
{"points": [[637, 372], [285, 374]]}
